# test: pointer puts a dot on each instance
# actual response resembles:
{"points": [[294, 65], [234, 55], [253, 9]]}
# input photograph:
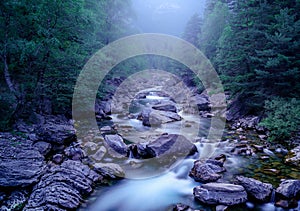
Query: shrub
{"points": [[283, 118]]}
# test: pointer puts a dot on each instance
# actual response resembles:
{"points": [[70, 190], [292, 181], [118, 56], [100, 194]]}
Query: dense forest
{"points": [[254, 46], [44, 45], [153, 149]]}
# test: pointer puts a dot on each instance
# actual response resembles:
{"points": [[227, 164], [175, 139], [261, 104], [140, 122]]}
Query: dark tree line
{"points": [[43, 46], [255, 47]]}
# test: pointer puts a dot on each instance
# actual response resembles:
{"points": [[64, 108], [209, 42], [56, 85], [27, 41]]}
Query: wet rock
{"points": [[169, 145], [105, 129], [287, 203], [140, 151], [56, 129], [293, 157], [100, 153], [109, 170], [20, 163], [102, 107], [152, 117], [43, 147], [271, 171], [116, 143], [182, 207], [236, 109], [62, 187], [258, 148], [90, 147], [256, 190], [289, 189], [202, 102], [264, 157], [165, 107], [58, 158], [208, 171], [74, 152], [221, 208], [220, 193]]}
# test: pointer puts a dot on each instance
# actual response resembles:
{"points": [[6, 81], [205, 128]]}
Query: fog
{"points": [[165, 16]]}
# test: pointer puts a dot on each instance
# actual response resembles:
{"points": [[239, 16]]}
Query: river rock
{"points": [[43, 147], [289, 189], [57, 130], [21, 164], [116, 143], [182, 207], [62, 187], [293, 203], [207, 171], [165, 107], [202, 102], [58, 158], [140, 150], [74, 152], [99, 154], [169, 145], [293, 157], [256, 190], [109, 170], [220, 193], [152, 117]]}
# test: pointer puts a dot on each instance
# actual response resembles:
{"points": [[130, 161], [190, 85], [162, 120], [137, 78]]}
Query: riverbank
{"points": [[45, 166]]}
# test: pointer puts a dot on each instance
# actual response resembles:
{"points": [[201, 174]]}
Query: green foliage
{"points": [[213, 26], [283, 118], [45, 45]]}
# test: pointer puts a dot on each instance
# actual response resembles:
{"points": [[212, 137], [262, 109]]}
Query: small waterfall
{"points": [[272, 200]]}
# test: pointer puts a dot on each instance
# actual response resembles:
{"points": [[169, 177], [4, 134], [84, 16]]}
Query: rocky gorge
{"points": [[45, 166]]}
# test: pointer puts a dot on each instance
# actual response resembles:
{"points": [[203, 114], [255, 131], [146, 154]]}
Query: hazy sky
{"points": [[165, 16]]}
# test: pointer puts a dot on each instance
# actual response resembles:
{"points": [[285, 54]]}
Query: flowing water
{"points": [[161, 191]]}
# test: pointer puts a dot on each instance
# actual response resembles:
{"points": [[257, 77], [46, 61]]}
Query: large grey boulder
{"points": [[152, 118], [220, 193], [109, 170], [256, 190], [116, 143], [289, 189], [56, 130], [21, 164], [165, 107], [208, 171], [170, 145], [62, 187]]}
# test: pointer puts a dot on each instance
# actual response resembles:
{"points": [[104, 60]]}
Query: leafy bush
{"points": [[283, 118]]}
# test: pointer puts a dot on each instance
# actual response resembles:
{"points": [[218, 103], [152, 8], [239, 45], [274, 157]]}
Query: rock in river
{"points": [[165, 107], [117, 144], [293, 157], [220, 193], [256, 190], [20, 163], [207, 171], [170, 145], [109, 170], [289, 189], [62, 187]]}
